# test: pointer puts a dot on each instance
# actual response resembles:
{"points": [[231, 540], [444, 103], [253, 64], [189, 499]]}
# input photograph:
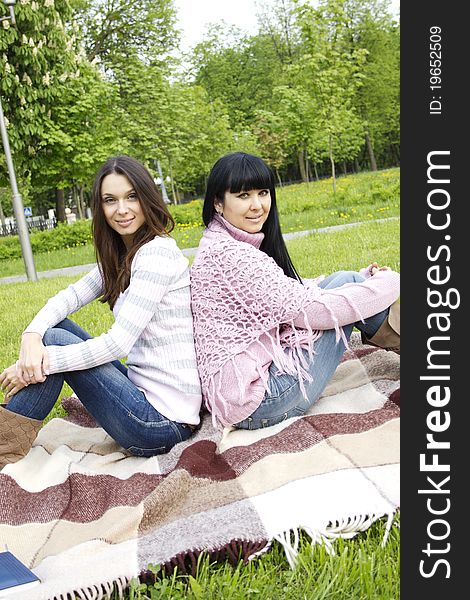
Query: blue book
{"points": [[14, 575]]}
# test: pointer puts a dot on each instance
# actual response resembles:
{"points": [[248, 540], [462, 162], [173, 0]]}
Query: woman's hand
{"points": [[374, 267], [10, 382], [33, 364]]}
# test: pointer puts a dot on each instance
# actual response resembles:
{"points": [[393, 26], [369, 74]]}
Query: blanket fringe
{"points": [[235, 550], [187, 562], [100, 591], [346, 528]]}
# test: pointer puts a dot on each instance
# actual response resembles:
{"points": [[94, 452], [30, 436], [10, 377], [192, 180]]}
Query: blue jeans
{"points": [[108, 394], [285, 398]]}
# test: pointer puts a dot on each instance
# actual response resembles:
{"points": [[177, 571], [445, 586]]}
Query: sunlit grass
{"points": [[47, 261], [361, 197], [348, 249], [359, 569]]}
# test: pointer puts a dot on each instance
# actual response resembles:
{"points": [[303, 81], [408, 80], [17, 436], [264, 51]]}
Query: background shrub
{"points": [[187, 214], [62, 237]]}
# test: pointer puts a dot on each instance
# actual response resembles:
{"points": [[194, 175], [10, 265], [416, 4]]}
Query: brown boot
{"points": [[17, 434], [388, 334]]}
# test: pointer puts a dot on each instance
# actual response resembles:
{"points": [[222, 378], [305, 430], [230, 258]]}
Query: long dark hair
{"points": [[239, 171], [111, 254]]}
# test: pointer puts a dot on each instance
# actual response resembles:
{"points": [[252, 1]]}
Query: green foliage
{"points": [[62, 237], [114, 29], [10, 247], [81, 133], [187, 214], [331, 72], [237, 69], [86, 79], [36, 56]]}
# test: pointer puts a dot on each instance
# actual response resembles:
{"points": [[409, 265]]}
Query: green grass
{"points": [[19, 302], [361, 197], [47, 261], [360, 569], [347, 249]]}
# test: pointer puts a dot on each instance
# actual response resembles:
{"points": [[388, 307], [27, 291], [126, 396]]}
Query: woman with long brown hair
{"points": [[152, 403]]}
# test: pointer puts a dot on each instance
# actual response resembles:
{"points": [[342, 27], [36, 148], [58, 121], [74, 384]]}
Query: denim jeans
{"points": [[285, 398], [108, 394]]}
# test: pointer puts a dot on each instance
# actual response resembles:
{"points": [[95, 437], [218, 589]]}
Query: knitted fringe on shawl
{"points": [[286, 348]]}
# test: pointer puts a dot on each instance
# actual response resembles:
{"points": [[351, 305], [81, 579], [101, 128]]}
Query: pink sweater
{"points": [[248, 313]]}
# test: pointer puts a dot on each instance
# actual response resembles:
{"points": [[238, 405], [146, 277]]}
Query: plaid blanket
{"points": [[85, 516]]}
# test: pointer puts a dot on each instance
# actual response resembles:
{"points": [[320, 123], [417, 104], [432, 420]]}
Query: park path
{"points": [[77, 270]]}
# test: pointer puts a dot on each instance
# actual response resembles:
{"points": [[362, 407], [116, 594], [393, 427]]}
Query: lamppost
{"points": [[10, 4], [18, 208], [161, 182]]}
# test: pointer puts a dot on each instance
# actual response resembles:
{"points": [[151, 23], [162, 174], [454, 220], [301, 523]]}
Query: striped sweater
{"points": [[153, 327]]}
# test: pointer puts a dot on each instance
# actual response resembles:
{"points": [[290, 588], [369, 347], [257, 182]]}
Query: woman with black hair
{"points": [[152, 403], [268, 342]]}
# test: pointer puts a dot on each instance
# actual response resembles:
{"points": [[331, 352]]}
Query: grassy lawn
{"points": [[360, 569], [70, 257], [361, 197]]}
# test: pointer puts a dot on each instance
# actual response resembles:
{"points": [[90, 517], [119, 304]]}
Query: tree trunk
{"points": [[173, 192], [370, 149], [345, 168], [60, 206], [395, 152], [2, 215], [76, 198], [357, 167], [81, 201], [301, 159], [333, 172], [278, 177], [315, 170]]}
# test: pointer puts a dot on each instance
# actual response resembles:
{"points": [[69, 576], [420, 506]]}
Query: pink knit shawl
{"points": [[240, 296]]}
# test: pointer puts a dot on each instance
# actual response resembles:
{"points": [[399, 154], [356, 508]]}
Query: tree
{"points": [[378, 100], [332, 71], [80, 134], [35, 57], [367, 27], [198, 133], [143, 95], [55, 100], [114, 29], [273, 134], [278, 20], [239, 70], [63, 108]]}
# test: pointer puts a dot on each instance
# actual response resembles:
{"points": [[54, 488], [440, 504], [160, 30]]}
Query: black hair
{"points": [[239, 171]]}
